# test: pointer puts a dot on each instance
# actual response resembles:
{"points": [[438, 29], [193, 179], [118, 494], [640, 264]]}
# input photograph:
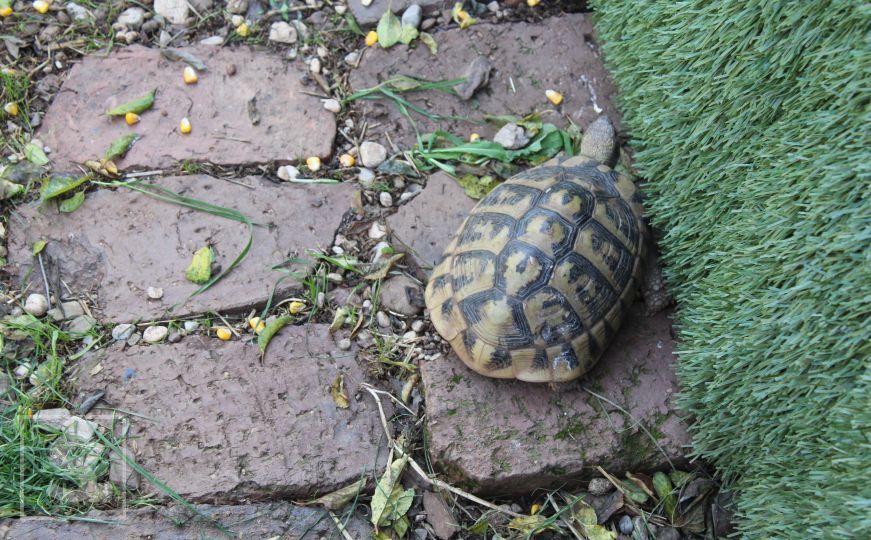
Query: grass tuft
{"points": [[750, 119]]}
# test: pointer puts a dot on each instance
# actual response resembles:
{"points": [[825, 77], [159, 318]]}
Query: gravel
{"points": [[154, 334], [372, 154], [122, 332]]}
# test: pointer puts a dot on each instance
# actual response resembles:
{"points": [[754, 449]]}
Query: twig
{"points": [[341, 527], [44, 279], [417, 468], [566, 522], [142, 173]]}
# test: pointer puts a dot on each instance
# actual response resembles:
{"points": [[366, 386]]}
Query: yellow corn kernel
{"points": [[253, 322], [474, 137], [260, 327], [347, 160], [5, 11], [534, 508], [190, 75], [371, 38], [553, 96], [313, 163], [185, 126], [40, 6], [224, 334], [295, 307], [11, 108], [243, 30], [131, 118], [532, 3]]}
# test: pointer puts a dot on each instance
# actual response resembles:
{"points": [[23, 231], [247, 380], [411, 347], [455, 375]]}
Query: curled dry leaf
{"points": [[337, 390]]}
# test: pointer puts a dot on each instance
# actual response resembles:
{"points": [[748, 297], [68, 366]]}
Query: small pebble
{"points": [[36, 305], [372, 154], [214, 41], [380, 250], [366, 3], [345, 344], [411, 334], [366, 177], [122, 332], [511, 137], [625, 525], [191, 326], [412, 16], [340, 8], [287, 172], [153, 334], [352, 58], [281, 32], [386, 199], [334, 277], [417, 326], [174, 337], [322, 51], [321, 299], [377, 231], [382, 319], [493, 6], [236, 20], [155, 293], [600, 486], [427, 24], [21, 372], [134, 339], [315, 65], [332, 105]]}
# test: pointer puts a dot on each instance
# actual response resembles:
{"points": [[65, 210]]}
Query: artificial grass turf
{"points": [[751, 121]]}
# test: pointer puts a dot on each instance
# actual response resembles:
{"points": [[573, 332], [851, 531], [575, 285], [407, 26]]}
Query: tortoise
{"points": [[536, 280]]}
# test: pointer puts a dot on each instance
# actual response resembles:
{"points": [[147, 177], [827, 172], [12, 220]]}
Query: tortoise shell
{"points": [[536, 281]]}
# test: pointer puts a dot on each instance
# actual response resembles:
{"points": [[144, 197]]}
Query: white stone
{"points": [[237, 6], [372, 154], [417, 326], [191, 326], [237, 20], [345, 344], [301, 28], [408, 336], [214, 40], [352, 58], [77, 12], [511, 137], [315, 65], [132, 17], [366, 177], [287, 172], [386, 199], [79, 429], [154, 293], [153, 334], [36, 305], [366, 3], [340, 8], [281, 32], [122, 332], [21, 372], [380, 250], [377, 231], [51, 418], [493, 7], [412, 16], [332, 105], [175, 11], [382, 319]]}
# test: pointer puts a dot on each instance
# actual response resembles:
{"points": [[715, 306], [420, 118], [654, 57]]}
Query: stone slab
{"points": [[425, 225], [510, 437], [121, 242], [291, 125], [268, 520], [558, 53], [229, 428], [369, 15]]}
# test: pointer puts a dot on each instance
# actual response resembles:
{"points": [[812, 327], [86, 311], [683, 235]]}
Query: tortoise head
{"points": [[599, 141]]}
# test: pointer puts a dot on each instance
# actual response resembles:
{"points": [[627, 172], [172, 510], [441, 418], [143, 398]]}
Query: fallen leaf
{"points": [[337, 390], [586, 518], [38, 246], [200, 269], [121, 145], [476, 187], [9, 189], [137, 106], [664, 490], [339, 498], [339, 319], [35, 154], [175, 55], [529, 524], [381, 273], [384, 490], [408, 34], [389, 30], [267, 333], [430, 42], [58, 185], [73, 203]]}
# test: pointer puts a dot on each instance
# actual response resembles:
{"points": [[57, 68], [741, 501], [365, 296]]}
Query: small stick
{"points": [[44, 279], [340, 526], [419, 470], [565, 521]]}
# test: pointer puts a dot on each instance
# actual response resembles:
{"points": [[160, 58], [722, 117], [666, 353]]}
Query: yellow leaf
{"points": [[337, 390]]}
